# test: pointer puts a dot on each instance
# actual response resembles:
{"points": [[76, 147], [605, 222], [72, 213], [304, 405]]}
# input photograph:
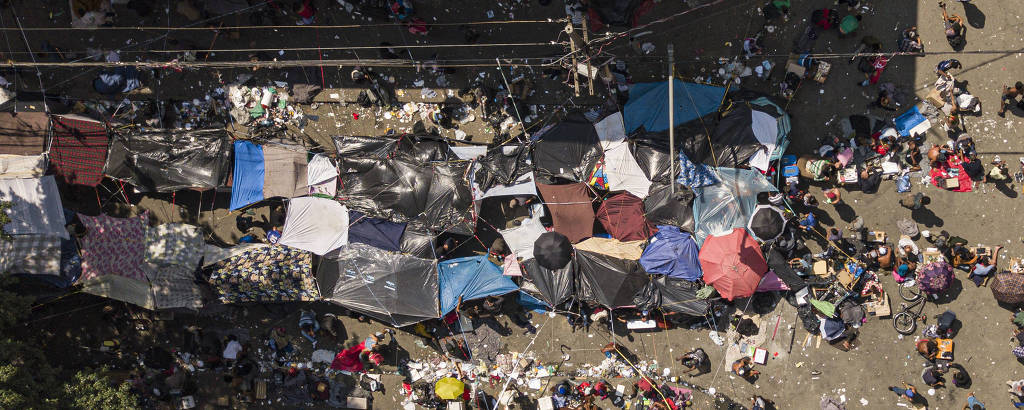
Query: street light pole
{"points": [[671, 121]]}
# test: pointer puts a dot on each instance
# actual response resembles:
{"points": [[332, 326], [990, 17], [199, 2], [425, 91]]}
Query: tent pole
{"points": [[671, 122]]}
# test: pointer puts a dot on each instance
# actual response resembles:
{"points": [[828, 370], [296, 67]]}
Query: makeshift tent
{"points": [[771, 283], [672, 253], [318, 225], [624, 13], [285, 173], [572, 211], [733, 264], [622, 171], [648, 104], [22, 166], [662, 207], [554, 286], [174, 244], [470, 278], [213, 254], [135, 291], [680, 296], [568, 150], [610, 281], [766, 223], [652, 153], [1008, 287], [266, 274], [523, 186], [79, 149], [322, 176], [396, 289], [552, 250], [694, 175], [418, 241], [114, 246], [729, 204], [23, 133], [622, 215], [502, 167], [35, 206], [174, 286], [31, 254], [632, 250], [375, 232], [170, 160], [247, 183], [521, 239], [751, 130]]}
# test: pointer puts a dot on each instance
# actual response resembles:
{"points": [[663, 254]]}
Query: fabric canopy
{"points": [[729, 204], [771, 282], [648, 104], [35, 206], [555, 286], [117, 287], [610, 281], [174, 286], [285, 172], [322, 176], [571, 209], [79, 149], [680, 296], [733, 264], [568, 150], [622, 171], [396, 289], [375, 232], [612, 247], [318, 225], [552, 250], [22, 166], [174, 244], [470, 278], [114, 246], [23, 133], [766, 223], [31, 254], [169, 160], [266, 274], [622, 215], [247, 183], [672, 253]]}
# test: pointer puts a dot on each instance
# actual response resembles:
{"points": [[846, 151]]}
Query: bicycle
{"points": [[905, 322]]}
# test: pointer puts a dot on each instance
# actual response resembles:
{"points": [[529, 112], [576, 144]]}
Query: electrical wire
{"points": [[480, 62], [272, 27]]}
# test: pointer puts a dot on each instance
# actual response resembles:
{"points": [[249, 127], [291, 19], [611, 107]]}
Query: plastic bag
{"points": [[903, 183]]}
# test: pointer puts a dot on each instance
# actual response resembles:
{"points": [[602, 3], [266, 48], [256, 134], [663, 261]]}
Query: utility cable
{"points": [[272, 27]]}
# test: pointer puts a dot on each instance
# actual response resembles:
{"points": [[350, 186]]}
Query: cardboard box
{"points": [[945, 348], [796, 69], [760, 356], [934, 98], [951, 183], [545, 403], [358, 403], [876, 237]]}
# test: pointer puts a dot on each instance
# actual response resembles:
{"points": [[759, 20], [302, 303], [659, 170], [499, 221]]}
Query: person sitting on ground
{"points": [[695, 360], [825, 18], [832, 196], [758, 403], [810, 201], [908, 392], [956, 32], [973, 403], [374, 345], [932, 377], [998, 173], [807, 221], [744, 369], [963, 257], [280, 343], [984, 267], [910, 41], [928, 349], [960, 377], [1010, 95], [945, 66], [849, 24], [308, 326], [870, 44], [231, 350]]}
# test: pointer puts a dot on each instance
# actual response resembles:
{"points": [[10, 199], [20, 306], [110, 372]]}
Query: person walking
{"points": [[908, 392]]}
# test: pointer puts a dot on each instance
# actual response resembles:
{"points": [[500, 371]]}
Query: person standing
{"points": [[908, 391]]}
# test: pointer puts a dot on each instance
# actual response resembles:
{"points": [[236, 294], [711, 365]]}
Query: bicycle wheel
{"points": [[910, 293], [904, 323]]}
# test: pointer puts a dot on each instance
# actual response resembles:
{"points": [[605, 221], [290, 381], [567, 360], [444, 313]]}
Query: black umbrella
{"points": [[552, 250], [766, 223]]}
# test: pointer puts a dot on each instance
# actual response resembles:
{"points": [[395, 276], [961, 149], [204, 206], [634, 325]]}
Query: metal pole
{"points": [[671, 122]]}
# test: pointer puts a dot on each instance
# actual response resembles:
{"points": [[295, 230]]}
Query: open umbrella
{"points": [[552, 250], [1008, 287], [766, 223], [935, 277], [449, 388], [733, 263]]}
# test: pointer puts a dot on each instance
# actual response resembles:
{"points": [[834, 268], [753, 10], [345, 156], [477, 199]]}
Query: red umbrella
{"points": [[733, 263]]}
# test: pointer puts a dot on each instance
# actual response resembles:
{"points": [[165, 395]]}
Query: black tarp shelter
{"points": [[568, 150], [170, 160], [555, 286], [610, 281]]}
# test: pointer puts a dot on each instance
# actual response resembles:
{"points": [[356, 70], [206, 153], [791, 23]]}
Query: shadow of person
{"points": [[1006, 189], [975, 18], [845, 212], [950, 294], [926, 217]]}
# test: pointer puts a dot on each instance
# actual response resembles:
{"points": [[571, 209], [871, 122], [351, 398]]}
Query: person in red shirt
{"points": [[306, 11]]}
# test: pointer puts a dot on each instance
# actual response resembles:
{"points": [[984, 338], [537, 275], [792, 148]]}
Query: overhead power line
{"points": [[249, 50], [302, 27]]}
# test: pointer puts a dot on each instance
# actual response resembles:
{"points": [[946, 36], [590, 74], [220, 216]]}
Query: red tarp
{"points": [[938, 175], [572, 211], [79, 150], [348, 359], [622, 216], [733, 263]]}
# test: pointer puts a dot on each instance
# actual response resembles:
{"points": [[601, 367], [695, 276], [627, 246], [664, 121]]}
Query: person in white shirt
{"points": [[231, 350]]}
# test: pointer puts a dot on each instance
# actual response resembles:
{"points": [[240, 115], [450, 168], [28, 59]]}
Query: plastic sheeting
{"points": [[648, 104], [285, 172], [610, 281], [35, 206], [568, 150], [322, 176], [396, 289], [747, 133], [622, 171], [502, 166], [680, 296], [318, 225], [470, 278], [622, 216], [662, 207], [375, 232], [521, 238], [247, 183], [672, 253], [417, 241], [572, 211], [720, 208], [651, 149], [170, 160]]}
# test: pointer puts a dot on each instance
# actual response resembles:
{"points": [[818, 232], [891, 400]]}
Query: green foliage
{"points": [[13, 307], [4, 220], [92, 390]]}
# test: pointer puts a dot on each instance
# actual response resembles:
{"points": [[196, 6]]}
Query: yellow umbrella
{"points": [[449, 388]]}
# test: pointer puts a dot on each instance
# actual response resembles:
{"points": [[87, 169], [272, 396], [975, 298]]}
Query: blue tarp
{"points": [[532, 304], [247, 185], [672, 253], [379, 233], [471, 278], [648, 102], [908, 120]]}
